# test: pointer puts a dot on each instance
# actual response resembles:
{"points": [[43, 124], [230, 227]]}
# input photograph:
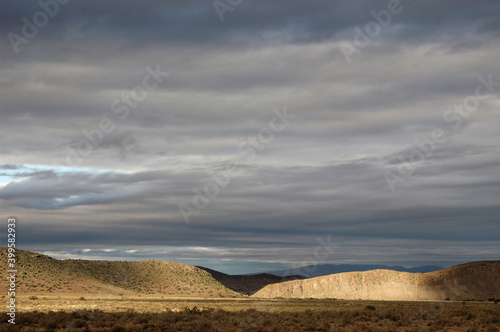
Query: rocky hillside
{"points": [[478, 280], [42, 275]]}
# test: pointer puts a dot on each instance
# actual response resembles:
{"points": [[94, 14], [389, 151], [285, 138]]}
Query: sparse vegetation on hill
{"points": [[40, 274], [154, 277]]}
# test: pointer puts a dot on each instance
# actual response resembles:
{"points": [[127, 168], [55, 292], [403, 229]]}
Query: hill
{"points": [[311, 271], [39, 274], [477, 280], [248, 284]]}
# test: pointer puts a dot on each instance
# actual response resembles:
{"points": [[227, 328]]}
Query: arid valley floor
{"points": [[246, 314], [78, 295]]}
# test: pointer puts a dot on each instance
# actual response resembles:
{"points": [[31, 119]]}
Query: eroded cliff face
{"points": [[478, 280]]}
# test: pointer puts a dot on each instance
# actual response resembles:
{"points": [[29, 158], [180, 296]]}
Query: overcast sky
{"points": [[245, 135]]}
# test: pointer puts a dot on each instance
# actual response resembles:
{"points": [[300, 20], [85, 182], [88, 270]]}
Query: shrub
{"points": [[78, 323]]}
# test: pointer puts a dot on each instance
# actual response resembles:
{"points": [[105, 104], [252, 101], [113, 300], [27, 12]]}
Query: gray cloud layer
{"points": [[324, 174]]}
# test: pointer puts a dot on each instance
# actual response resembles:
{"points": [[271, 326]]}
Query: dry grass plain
{"points": [[248, 314]]}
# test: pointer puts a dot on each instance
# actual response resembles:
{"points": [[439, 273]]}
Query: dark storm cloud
{"points": [[323, 174], [137, 24]]}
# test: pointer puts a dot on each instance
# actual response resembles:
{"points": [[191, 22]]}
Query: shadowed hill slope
{"points": [[39, 274], [248, 284], [477, 280]]}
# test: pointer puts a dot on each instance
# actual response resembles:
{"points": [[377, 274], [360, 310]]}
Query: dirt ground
{"points": [[59, 313]]}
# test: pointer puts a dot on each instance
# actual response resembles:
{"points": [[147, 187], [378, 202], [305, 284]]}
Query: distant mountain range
{"points": [[311, 271]]}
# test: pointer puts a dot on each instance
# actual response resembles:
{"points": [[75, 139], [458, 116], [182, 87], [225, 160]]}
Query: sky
{"points": [[248, 136]]}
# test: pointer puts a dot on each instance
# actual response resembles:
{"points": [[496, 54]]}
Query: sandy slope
{"points": [[42, 275]]}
